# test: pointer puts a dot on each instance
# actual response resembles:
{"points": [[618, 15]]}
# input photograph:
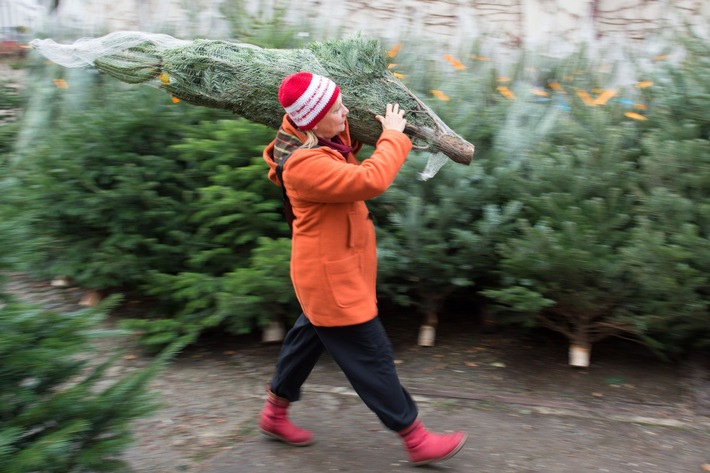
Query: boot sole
{"points": [[447, 456], [282, 439]]}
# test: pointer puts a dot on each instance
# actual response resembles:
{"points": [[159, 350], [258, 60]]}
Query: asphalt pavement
{"points": [[510, 429]]}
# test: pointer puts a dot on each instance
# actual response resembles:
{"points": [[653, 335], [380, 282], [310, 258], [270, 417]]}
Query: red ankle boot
{"points": [[273, 421], [425, 447]]}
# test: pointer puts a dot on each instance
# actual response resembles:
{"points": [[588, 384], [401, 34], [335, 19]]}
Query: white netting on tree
{"points": [[85, 51], [245, 78]]}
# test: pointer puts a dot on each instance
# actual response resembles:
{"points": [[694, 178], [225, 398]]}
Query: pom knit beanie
{"points": [[307, 98]]}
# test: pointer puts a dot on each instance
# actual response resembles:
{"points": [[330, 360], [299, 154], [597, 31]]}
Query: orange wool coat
{"points": [[333, 257]]}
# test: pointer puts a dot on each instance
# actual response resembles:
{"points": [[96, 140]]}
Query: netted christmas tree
{"points": [[244, 78]]}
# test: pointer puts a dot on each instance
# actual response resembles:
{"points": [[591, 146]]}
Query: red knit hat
{"points": [[307, 98]]}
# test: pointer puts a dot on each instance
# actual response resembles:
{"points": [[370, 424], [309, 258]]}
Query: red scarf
{"points": [[337, 144]]}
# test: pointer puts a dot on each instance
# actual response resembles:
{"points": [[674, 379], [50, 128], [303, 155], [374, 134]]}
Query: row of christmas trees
{"points": [[585, 210]]}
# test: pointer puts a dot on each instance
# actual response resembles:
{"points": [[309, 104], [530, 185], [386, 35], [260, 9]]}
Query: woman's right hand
{"points": [[393, 119]]}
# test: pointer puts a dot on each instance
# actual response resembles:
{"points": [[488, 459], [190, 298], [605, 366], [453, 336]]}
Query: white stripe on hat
{"points": [[304, 110]]}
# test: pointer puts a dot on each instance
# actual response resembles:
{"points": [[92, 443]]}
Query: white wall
{"points": [[25, 14], [446, 22]]}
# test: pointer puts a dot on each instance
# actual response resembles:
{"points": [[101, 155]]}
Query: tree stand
{"points": [[579, 355], [274, 332], [91, 298], [427, 331]]}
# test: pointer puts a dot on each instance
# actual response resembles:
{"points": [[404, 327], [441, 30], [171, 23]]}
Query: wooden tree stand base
{"points": [[91, 298], [274, 332], [579, 356], [427, 335]]}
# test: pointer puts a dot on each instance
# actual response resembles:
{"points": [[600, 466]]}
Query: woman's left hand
{"points": [[393, 119]]}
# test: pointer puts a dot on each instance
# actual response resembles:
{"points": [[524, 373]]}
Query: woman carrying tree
{"points": [[334, 263]]}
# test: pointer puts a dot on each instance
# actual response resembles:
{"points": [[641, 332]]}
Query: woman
{"points": [[334, 263]]}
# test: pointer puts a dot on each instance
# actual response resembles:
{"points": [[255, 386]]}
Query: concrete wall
{"points": [[513, 22], [447, 22]]}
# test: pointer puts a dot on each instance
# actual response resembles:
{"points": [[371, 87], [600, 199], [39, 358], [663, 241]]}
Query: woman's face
{"points": [[333, 123]]}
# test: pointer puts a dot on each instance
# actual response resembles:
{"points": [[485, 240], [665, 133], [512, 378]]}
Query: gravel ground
{"points": [[515, 389]]}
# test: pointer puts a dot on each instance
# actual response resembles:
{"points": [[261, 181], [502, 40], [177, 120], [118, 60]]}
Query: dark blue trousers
{"points": [[363, 352]]}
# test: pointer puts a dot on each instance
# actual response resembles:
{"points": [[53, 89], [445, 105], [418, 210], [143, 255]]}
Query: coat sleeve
{"points": [[321, 175]]}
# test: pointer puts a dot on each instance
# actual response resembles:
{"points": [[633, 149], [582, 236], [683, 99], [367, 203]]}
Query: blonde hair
{"points": [[311, 138]]}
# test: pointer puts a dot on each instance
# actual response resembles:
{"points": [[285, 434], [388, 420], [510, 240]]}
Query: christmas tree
{"points": [[562, 269], [438, 237], [245, 78], [671, 252], [59, 411]]}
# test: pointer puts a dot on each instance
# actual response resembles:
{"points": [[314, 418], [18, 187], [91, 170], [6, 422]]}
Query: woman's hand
{"points": [[393, 119]]}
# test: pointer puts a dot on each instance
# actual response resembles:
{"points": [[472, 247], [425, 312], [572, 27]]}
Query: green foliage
{"points": [[438, 236], [577, 214], [669, 270], [260, 292], [144, 195], [101, 198], [614, 232], [267, 29], [10, 96], [240, 301], [472, 107], [59, 412], [237, 203], [671, 244], [12, 100], [563, 270], [234, 217]]}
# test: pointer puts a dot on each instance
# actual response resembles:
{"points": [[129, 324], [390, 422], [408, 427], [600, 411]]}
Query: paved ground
{"points": [[502, 438], [513, 433], [524, 408]]}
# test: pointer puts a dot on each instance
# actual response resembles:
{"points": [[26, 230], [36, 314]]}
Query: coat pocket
{"points": [[360, 226], [346, 281]]}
